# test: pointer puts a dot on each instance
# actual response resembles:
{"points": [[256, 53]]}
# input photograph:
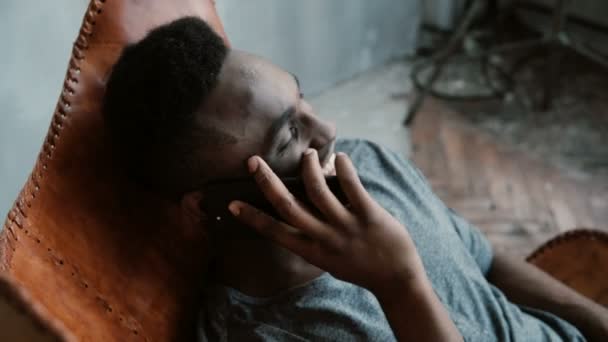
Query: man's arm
{"points": [[525, 284], [415, 313], [362, 244]]}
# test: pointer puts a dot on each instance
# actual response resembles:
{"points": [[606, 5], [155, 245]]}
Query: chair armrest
{"points": [[578, 258]]}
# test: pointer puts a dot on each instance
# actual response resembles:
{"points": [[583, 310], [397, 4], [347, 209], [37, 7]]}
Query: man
{"points": [[183, 110]]}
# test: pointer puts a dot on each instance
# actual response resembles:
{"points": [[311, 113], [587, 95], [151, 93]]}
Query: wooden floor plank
{"points": [[517, 200], [453, 144], [538, 198]]}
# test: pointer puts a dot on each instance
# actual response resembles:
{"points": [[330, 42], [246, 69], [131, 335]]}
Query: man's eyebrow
{"points": [[279, 123], [295, 78]]}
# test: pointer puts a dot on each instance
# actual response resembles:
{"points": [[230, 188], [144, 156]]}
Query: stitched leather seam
{"points": [[19, 208], [32, 186], [11, 242], [587, 234], [10, 229]]}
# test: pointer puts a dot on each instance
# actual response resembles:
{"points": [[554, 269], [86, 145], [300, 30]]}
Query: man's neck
{"points": [[260, 268]]}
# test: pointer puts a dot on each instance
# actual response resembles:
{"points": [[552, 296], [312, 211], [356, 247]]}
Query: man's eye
{"points": [[294, 132]]}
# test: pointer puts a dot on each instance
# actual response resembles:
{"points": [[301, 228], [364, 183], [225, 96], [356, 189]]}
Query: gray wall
{"points": [[445, 13], [322, 41], [36, 40]]}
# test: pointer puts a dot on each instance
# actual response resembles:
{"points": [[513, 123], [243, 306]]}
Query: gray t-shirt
{"points": [[455, 254]]}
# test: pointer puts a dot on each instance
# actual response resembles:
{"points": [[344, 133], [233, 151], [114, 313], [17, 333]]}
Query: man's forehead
{"points": [[248, 69], [259, 92], [250, 95], [248, 73]]}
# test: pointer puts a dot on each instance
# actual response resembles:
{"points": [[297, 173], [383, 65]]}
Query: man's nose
{"points": [[322, 133]]}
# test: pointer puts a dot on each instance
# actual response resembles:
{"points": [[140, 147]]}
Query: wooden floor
{"points": [[518, 201]]}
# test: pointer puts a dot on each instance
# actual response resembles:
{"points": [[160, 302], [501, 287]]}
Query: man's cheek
{"points": [[288, 166]]}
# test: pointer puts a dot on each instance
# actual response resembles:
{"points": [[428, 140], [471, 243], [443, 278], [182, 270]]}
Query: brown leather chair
{"points": [[578, 258], [100, 260], [84, 256]]}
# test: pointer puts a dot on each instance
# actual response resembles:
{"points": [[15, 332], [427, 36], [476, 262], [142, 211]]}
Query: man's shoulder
{"points": [[366, 155], [356, 147], [382, 169]]}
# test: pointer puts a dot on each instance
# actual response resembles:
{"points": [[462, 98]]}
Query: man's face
{"points": [[262, 106]]}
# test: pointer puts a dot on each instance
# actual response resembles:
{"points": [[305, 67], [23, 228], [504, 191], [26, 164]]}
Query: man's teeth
{"points": [[329, 169]]}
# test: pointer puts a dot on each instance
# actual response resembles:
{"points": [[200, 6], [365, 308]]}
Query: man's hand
{"points": [[362, 244]]}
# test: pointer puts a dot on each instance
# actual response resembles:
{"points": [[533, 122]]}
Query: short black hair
{"points": [[151, 99]]}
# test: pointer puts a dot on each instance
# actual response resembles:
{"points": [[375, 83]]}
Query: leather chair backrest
{"points": [[23, 320], [102, 260], [579, 259]]}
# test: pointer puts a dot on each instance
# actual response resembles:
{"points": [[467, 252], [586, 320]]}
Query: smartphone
{"points": [[217, 196]]}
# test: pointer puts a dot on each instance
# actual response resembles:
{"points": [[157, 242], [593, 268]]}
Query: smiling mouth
{"points": [[329, 168], [327, 157]]}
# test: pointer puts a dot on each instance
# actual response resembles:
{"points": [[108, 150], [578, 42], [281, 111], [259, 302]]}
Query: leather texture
{"points": [[102, 261], [18, 315], [579, 258]]}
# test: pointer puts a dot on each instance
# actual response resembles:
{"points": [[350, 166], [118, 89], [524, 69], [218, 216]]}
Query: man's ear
{"points": [[190, 206], [192, 218]]}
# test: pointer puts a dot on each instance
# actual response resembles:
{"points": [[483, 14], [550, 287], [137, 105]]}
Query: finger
{"points": [[273, 229], [360, 200], [288, 207], [318, 191]]}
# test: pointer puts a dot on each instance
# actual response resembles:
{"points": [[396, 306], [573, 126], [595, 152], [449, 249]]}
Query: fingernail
{"points": [[309, 151], [253, 164], [341, 154], [234, 208]]}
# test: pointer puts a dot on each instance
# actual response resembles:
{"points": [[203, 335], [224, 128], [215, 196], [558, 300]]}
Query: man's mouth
{"points": [[327, 158], [329, 168]]}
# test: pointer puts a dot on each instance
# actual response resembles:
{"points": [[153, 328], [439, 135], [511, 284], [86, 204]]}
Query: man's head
{"points": [[183, 109]]}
